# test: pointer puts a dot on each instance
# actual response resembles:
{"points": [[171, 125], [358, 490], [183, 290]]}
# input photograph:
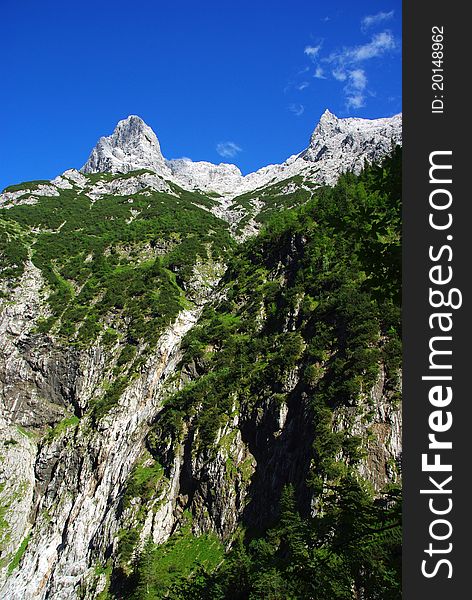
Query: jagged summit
{"points": [[344, 144], [133, 145], [336, 145], [328, 116], [330, 124]]}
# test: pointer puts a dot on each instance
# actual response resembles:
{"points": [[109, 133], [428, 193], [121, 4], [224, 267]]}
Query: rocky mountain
{"points": [[132, 146], [200, 374], [132, 153], [336, 146]]}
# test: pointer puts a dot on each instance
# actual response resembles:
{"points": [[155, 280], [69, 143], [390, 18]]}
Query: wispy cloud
{"points": [[379, 44], [312, 51], [296, 109], [347, 65], [373, 20], [304, 70], [228, 149], [358, 79], [355, 88], [355, 101], [339, 74]]}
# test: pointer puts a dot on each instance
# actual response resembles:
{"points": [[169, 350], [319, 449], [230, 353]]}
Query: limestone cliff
{"points": [[157, 378]]}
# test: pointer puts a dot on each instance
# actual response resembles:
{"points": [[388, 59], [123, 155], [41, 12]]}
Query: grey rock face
{"points": [[37, 379], [79, 477], [381, 418], [132, 146], [67, 494], [340, 145]]}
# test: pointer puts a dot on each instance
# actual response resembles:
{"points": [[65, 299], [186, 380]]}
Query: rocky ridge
{"points": [[130, 161], [336, 145]]}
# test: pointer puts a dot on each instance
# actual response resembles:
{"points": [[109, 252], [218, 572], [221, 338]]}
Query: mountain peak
{"points": [[132, 145], [133, 125], [328, 116], [336, 145], [344, 144], [328, 121], [132, 119]]}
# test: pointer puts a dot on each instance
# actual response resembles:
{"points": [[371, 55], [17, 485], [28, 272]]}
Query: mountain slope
{"points": [[294, 381], [166, 391]]}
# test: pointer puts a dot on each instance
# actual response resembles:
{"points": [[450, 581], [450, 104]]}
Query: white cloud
{"points": [[358, 79], [312, 51], [301, 86], [354, 89], [184, 159], [297, 109], [228, 149], [378, 45], [339, 74], [355, 101], [373, 20], [348, 65]]}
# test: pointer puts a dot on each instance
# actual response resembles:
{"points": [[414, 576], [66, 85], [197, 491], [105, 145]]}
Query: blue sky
{"points": [[242, 82]]}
